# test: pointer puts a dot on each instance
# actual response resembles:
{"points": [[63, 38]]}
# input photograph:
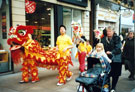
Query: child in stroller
{"points": [[95, 79]]}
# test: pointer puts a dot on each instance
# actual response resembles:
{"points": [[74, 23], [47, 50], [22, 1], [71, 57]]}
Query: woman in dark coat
{"points": [[128, 55], [112, 46]]}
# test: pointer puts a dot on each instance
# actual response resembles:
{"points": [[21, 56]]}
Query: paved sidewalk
{"points": [[124, 84], [48, 81]]}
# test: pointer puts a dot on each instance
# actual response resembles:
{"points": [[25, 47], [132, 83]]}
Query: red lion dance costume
{"points": [[22, 46]]}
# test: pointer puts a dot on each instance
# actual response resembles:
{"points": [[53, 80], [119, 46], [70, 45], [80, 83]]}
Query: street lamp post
{"points": [[120, 20]]}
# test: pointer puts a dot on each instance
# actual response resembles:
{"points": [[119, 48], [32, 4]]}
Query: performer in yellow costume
{"points": [[88, 47], [84, 48], [64, 43]]}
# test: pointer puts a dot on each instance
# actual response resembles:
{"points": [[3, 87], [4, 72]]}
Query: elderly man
{"points": [[112, 46]]}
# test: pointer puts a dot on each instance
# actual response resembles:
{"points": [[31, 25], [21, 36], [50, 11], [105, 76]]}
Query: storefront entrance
{"points": [[41, 21], [5, 62]]}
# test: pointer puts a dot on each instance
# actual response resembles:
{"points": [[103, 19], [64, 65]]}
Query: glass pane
{"points": [[77, 16], [40, 21], [67, 19], [5, 62]]}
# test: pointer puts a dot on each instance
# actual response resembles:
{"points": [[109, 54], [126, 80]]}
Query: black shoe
{"points": [[132, 78]]}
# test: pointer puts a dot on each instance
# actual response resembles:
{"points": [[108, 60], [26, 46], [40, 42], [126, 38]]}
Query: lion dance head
{"points": [[17, 37]]}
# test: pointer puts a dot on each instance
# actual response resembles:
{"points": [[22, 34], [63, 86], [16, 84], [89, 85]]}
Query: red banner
{"points": [[30, 6]]}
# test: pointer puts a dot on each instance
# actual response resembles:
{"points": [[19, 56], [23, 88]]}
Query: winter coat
{"points": [[128, 51], [114, 46]]}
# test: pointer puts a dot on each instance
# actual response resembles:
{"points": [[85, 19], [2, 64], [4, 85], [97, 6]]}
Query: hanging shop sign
{"points": [[4, 27], [107, 17], [127, 14], [30, 6]]}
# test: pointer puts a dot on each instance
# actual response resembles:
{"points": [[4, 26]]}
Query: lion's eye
{"points": [[22, 32]]}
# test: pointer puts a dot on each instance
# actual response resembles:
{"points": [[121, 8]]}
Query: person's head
{"points": [[62, 29], [110, 32], [99, 47], [88, 42], [83, 37], [130, 34]]}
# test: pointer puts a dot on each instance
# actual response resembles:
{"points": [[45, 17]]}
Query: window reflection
{"points": [[40, 22]]}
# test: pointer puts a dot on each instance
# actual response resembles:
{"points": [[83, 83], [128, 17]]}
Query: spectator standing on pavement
{"points": [[112, 46], [64, 43], [128, 55]]}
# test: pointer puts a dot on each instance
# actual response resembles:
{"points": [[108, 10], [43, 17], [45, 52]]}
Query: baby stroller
{"points": [[98, 80]]}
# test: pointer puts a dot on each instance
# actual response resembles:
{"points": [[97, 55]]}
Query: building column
{"points": [[58, 20], [86, 22]]}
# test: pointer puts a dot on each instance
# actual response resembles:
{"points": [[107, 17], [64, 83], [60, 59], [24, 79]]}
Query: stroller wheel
{"points": [[81, 88]]}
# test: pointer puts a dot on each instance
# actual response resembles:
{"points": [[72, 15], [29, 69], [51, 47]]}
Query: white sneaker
{"points": [[60, 84], [21, 82], [68, 79], [34, 81]]}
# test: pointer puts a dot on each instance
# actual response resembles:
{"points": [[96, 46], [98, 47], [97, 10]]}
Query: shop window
{"points": [[104, 24], [4, 18], [5, 62], [40, 20], [77, 16], [67, 19], [70, 15]]}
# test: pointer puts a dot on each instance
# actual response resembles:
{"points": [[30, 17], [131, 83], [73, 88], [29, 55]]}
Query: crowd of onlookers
{"points": [[120, 52]]}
